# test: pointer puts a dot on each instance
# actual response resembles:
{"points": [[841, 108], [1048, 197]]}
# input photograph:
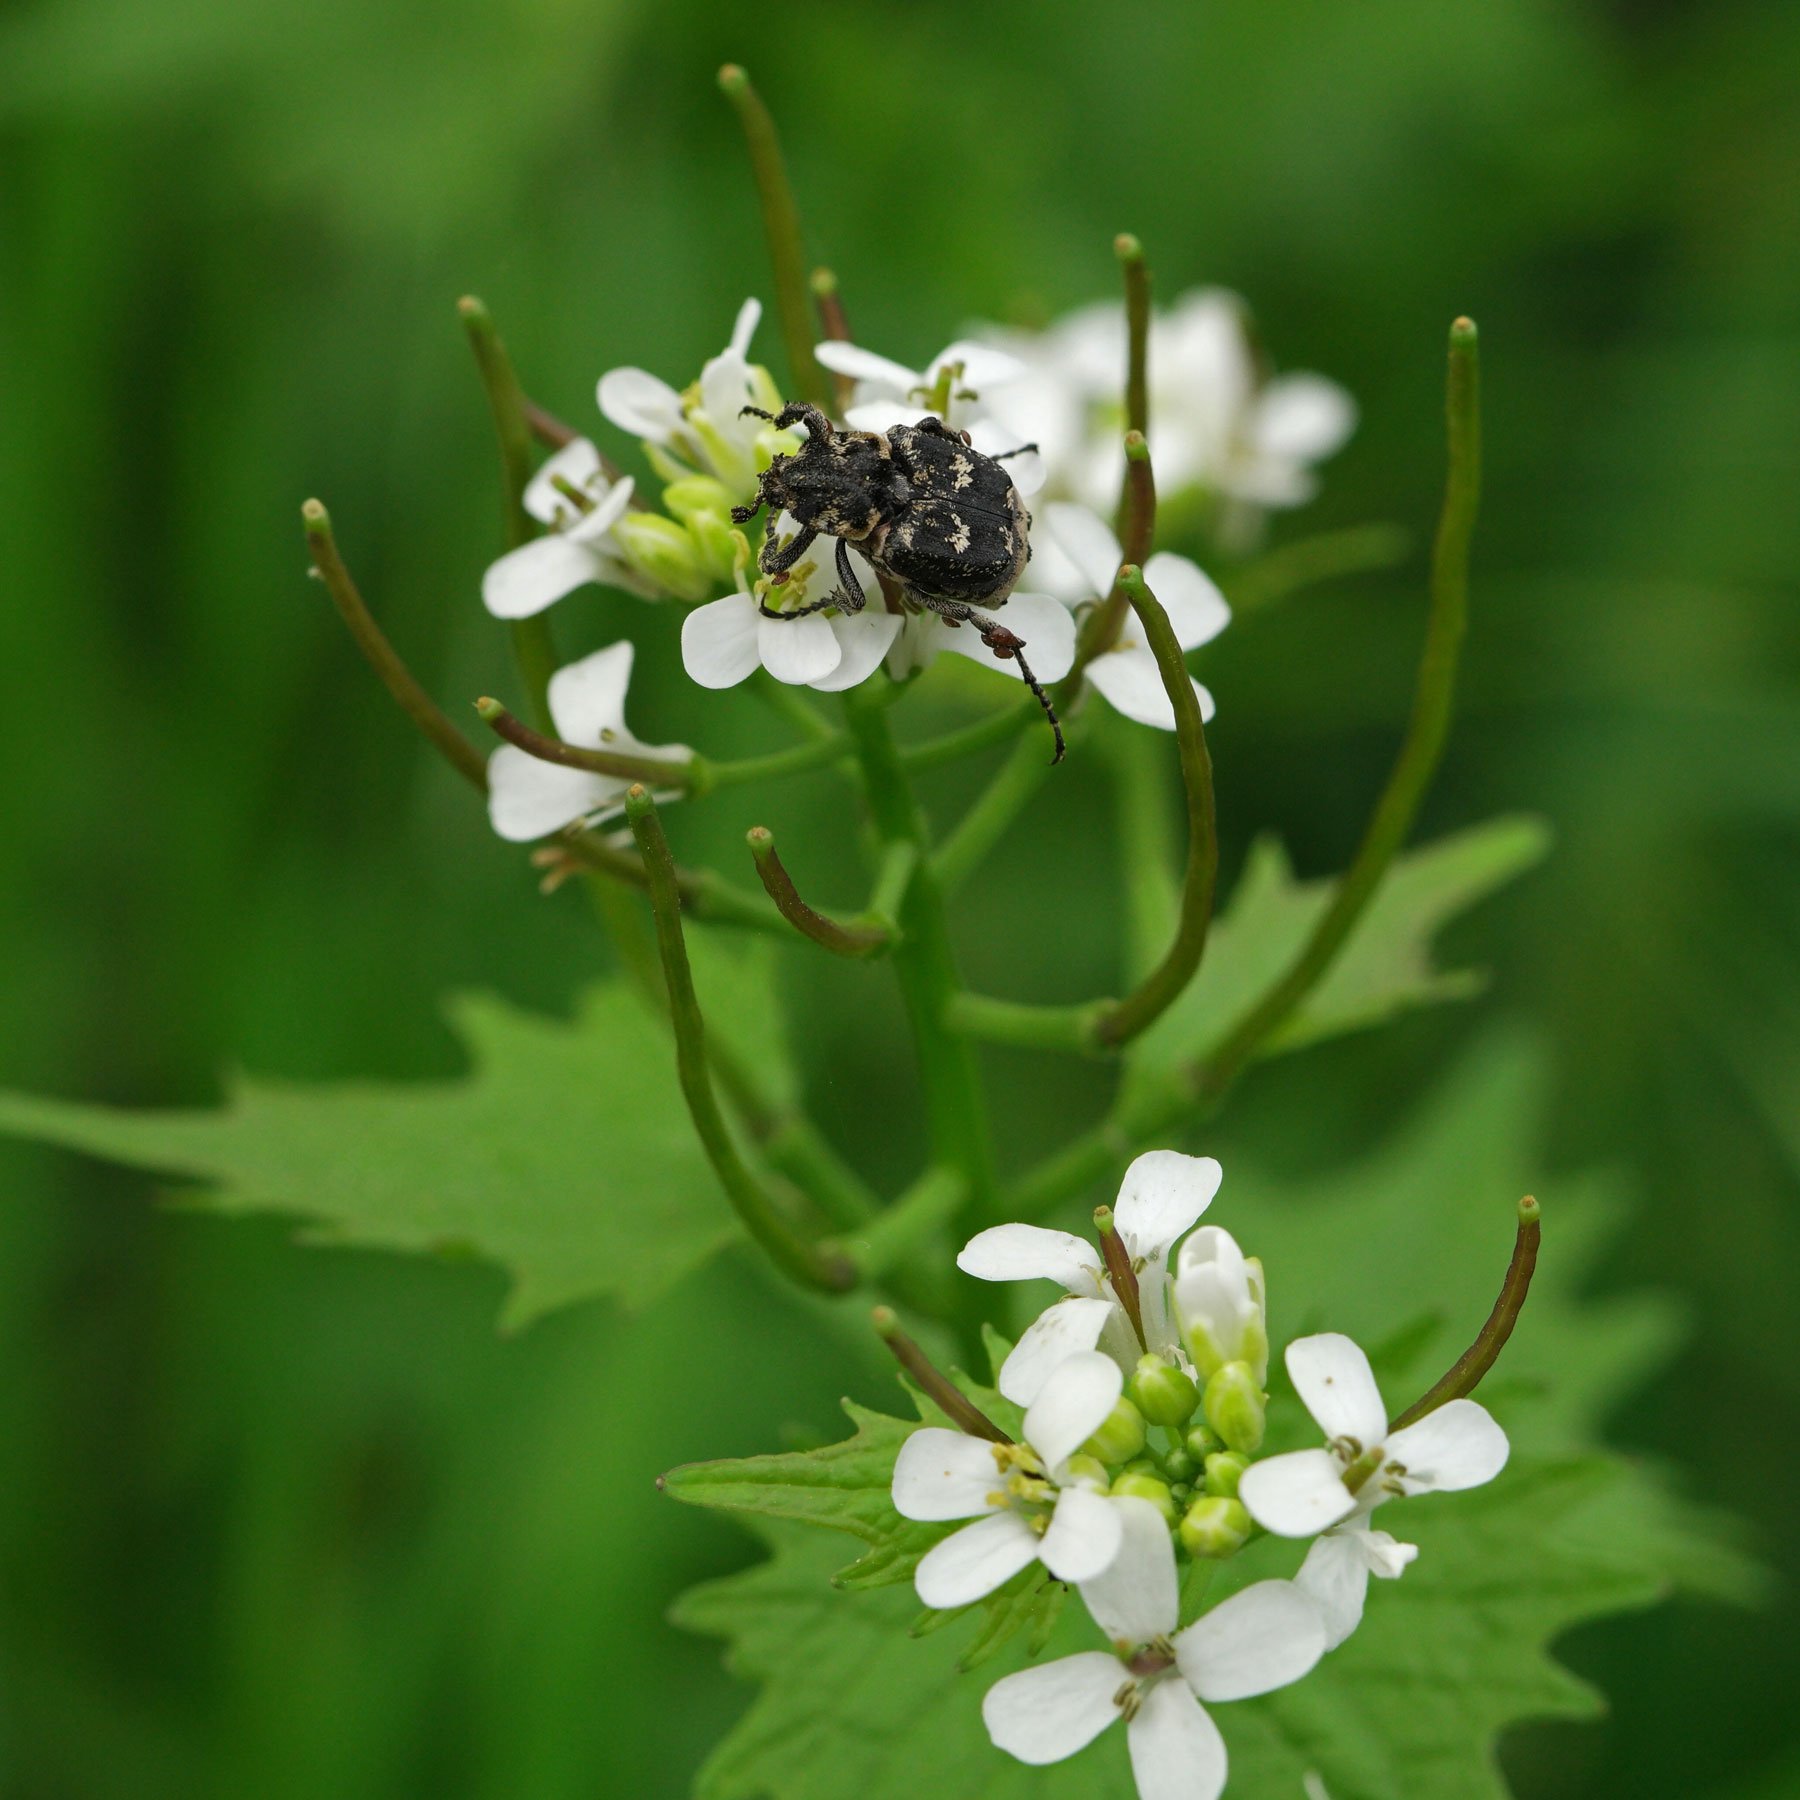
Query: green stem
{"points": [[381, 655], [793, 761], [781, 224], [1137, 505], [1136, 271], [1423, 745], [705, 894], [916, 1216], [789, 703], [827, 933], [691, 775], [956, 1406], [532, 644], [1308, 561], [968, 740], [1163, 985], [1466, 1372], [898, 863], [989, 818], [925, 965], [812, 1265], [1021, 1023]]}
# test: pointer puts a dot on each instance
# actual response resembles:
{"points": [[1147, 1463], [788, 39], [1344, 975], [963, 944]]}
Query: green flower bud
{"points": [[664, 553], [1147, 1487], [1178, 1465], [1163, 1394], [1143, 1465], [716, 540], [694, 495], [1215, 1526], [1121, 1437], [1181, 1492], [1234, 1407], [1201, 1441], [1224, 1470], [1087, 1468]]}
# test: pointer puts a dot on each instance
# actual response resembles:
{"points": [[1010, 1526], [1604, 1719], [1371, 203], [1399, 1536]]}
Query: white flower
{"points": [[1162, 1196], [1080, 558], [727, 640], [1025, 1505], [703, 430], [1216, 423], [529, 798], [1458, 1445], [1221, 1304], [579, 547], [957, 385], [1155, 1678], [1043, 622]]}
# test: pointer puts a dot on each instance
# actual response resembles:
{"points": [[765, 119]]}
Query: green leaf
{"points": [[846, 1486], [1404, 1250], [1385, 969], [564, 1155]]}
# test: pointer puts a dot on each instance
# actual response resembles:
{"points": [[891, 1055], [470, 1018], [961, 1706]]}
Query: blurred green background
{"points": [[293, 1522]]}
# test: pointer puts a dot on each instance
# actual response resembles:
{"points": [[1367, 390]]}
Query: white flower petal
{"points": [[1302, 418], [944, 1475], [1042, 1715], [1176, 1750], [1457, 1446], [881, 413], [1335, 1578], [1088, 542], [641, 403], [1255, 1642], [1046, 626], [528, 798], [721, 641], [1072, 1405], [587, 698], [1031, 1253], [1132, 682], [1213, 1247], [725, 388], [1084, 1535], [1197, 611], [1137, 1597], [607, 512], [798, 651], [1297, 1494], [744, 329], [865, 365], [1061, 1331], [577, 463], [526, 580], [982, 365], [974, 1561], [994, 439], [1162, 1197], [1386, 1556], [1333, 1378]]}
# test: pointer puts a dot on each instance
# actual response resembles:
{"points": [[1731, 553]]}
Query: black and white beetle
{"points": [[937, 517]]}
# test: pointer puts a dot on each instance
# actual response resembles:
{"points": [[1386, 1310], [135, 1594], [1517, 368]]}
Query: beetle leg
{"points": [[849, 594], [777, 559], [1004, 644]]}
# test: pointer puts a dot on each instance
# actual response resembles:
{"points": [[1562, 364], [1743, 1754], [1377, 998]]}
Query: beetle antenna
{"points": [[1005, 643], [755, 412]]}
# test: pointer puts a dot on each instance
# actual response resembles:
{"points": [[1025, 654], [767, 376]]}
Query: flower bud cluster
{"points": [[1144, 1389]]}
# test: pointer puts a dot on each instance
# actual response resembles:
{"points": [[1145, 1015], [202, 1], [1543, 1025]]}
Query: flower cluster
{"points": [[1048, 402], [1145, 1408]]}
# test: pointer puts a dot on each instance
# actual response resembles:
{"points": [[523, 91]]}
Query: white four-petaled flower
{"points": [[1025, 1505], [529, 798], [578, 548], [1456, 1446], [1217, 422], [1156, 1677], [1162, 1196], [1077, 557], [703, 430]]}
